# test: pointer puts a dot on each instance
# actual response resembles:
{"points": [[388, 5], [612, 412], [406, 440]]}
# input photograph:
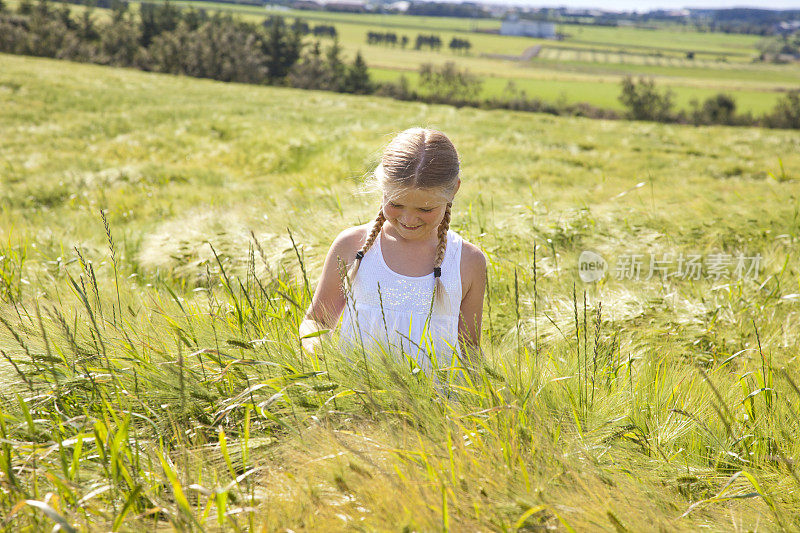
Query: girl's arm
{"points": [[471, 312], [328, 301]]}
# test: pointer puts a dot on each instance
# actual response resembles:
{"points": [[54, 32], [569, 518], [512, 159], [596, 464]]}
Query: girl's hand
{"points": [[311, 333]]}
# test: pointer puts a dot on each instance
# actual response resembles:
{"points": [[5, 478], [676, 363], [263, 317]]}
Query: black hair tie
{"points": [[359, 255], [437, 272]]}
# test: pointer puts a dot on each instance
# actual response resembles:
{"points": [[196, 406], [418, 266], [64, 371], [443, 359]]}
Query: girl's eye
{"points": [[426, 210]]}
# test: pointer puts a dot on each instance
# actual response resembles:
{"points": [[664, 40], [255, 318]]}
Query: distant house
{"points": [[787, 26], [355, 6], [528, 28], [306, 4], [400, 5]]}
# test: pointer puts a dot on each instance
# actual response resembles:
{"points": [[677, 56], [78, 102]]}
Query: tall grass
{"points": [[153, 378], [201, 412]]}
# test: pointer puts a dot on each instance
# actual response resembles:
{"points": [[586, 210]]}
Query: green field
{"points": [[604, 95], [585, 67], [150, 381]]}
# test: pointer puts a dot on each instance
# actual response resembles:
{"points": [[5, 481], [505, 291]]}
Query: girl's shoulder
{"points": [[473, 262], [350, 240], [472, 254], [473, 265]]}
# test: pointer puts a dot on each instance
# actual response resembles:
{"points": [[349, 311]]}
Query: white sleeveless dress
{"points": [[407, 326]]}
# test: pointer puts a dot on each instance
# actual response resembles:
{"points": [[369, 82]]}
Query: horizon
{"points": [[650, 5]]}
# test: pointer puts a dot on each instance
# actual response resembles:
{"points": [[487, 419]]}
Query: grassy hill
{"points": [[151, 369]]}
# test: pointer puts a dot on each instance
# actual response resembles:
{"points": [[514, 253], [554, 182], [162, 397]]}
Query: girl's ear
{"points": [[458, 184]]}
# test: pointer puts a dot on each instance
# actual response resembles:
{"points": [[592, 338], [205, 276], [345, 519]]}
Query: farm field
{"points": [[585, 67], [151, 373], [603, 95], [600, 55], [673, 37]]}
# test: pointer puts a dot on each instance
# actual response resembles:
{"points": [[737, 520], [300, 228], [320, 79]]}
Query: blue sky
{"points": [[644, 5]]}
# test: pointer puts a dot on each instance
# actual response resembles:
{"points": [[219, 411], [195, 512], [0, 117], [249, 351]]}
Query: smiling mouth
{"points": [[410, 227]]}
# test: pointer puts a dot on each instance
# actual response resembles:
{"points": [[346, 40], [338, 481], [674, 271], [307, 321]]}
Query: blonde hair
{"points": [[422, 159]]}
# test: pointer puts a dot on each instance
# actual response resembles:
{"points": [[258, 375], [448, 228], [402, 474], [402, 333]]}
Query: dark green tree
{"points": [[156, 19], [786, 113], [720, 109], [86, 30], [283, 47], [358, 80], [65, 18], [301, 26], [42, 9], [312, 72], [118, 10], [194, 18], [119, 39], [336, 66], [25, 7]]}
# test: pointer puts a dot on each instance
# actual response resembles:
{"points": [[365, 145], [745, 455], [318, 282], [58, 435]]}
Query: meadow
{"points": [[160, 237]]}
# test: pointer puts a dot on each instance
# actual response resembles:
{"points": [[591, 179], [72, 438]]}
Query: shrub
{"points": [[644, 101], [448, 84], [719, 109], [399, 90], [786, 113]]}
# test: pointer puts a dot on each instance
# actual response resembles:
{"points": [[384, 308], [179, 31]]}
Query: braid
{"points": [[439, 289], [376, 228]]}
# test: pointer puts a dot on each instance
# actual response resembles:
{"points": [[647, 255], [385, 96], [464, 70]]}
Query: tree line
{"points": [[389, 37], [457, 44], [778, 48], [448, 9], [304, 28], [733, 20], [643, 100], [165, 38], [433, 42]]}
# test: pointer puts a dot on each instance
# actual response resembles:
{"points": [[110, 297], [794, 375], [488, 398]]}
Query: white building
{"points": [[400, 5], [528, 28]]}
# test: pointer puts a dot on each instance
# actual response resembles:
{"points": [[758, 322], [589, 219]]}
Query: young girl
{"points": [[411, 283]]}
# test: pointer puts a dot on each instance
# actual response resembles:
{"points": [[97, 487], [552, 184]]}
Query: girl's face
{"points": [[415, 213]]}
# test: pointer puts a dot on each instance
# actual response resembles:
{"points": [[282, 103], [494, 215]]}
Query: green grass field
{"points": [[599, 55], [587, 66], [151, 372]]}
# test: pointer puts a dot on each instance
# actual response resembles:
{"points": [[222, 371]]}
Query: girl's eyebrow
{"points": [[395, 204], [424, 208]]}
